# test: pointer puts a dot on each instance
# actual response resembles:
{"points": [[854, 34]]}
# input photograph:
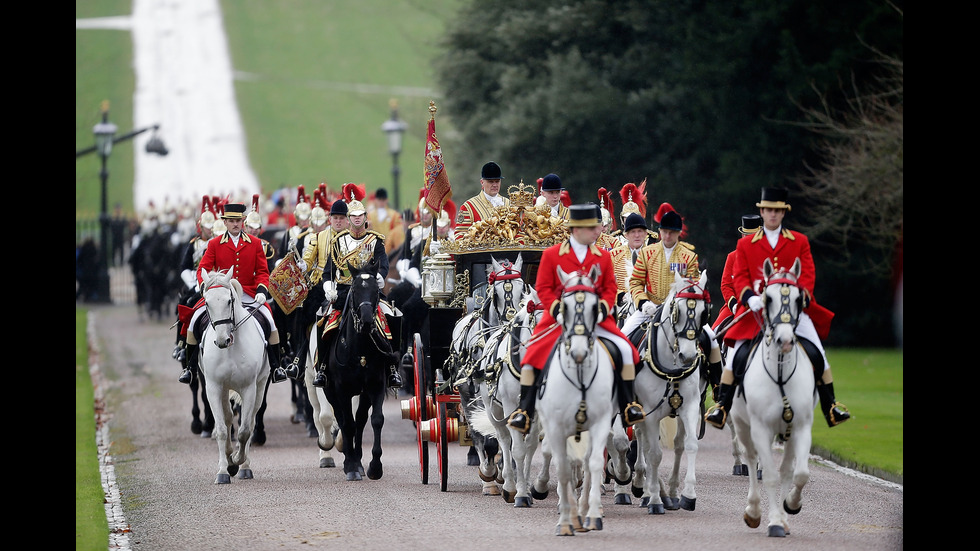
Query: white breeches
{"points": [[804, 329], [634, 320]]}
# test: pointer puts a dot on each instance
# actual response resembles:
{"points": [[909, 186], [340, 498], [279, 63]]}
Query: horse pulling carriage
{"points": [[475, 285]]}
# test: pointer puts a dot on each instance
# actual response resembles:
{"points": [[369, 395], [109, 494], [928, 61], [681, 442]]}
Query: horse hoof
{"points": [[294, 419], [509, 497], [745, 470], [737, 470], [790, 510], [258, 437], [655, 509], [196, 426], [751, 522], [355, 475], [327, 462], [522, 502], [245, 474], [758, 474], [232, 470], [205, 434], [472, 457], [688, 504], [593, 523], [491, 489], [375, 472], [223, 478], [623, 499], [564, 530], [777, 531], [645, 502], [672, 504], [637, 491], [535, 494]]}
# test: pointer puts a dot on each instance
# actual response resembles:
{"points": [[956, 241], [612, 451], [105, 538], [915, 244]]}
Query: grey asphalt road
{"points": [[165, 477]]}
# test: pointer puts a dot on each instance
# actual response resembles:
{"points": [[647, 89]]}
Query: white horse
{"points": [[669, 384], [777, 402], [575, 397], [500, 394], [235, 367], [326, 424], [505, 293]]}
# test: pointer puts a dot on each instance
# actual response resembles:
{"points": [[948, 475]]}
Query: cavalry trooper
{"points": [[316, 254], [782, 247], [606, 240], [634, 202], [355, 246], [483, 205], [291, 240], [577, 254], [242, 254], [253, 225], [191, 258], [653, 273]]}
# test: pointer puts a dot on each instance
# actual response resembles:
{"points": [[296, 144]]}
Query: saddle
{"points": [[205, 319], [739, 362]]}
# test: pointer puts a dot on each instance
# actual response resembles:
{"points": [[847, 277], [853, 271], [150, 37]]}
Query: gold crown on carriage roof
{"points": [[521, 195]]}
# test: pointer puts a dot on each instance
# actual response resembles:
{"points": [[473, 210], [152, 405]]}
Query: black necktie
{"points": [[634, 257]]}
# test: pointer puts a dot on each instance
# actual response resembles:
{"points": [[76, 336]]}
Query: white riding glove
{"points": [[330, 291], [711, 335], [189, 278], [560, 319], [434, 247], [413, 276], [649, 308], [302, 265], [402, 265], [755, 303], [381, 281], [260, 299]]}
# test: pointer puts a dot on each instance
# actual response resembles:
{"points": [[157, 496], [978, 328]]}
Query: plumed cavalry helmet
{"points": [[254, 219], [318, 215], [354, 194], [303, 209], [207, 218]]}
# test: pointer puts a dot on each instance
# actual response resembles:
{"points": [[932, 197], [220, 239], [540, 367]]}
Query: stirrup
{"points": [[394, 380], [186, 376], [293, 370], [278, 375], [633, 414], [841, 415], [520, 421], [712, 417], [320, 379]]}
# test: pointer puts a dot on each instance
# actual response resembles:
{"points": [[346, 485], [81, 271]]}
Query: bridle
{"points": [[690, 330], [507, 274], [578, 290], [784, 315]]}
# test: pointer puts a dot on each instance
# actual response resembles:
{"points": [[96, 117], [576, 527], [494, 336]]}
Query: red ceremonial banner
{"points": [[437, 187]]}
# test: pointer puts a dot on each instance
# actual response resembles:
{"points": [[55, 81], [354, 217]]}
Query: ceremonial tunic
{"points": [[727, 291], [653, 273], [473, 210], [622, 259], [750, 254], [607, 241], [548, 286], [347, 250], [316, 252], [247, 261]]}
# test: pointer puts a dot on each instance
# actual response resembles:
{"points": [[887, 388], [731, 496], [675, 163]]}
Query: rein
{"points": [[784, 315]]}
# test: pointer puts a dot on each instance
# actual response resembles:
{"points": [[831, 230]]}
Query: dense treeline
{"points": [[708, 100]]}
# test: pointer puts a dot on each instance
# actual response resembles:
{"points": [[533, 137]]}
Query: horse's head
{"points": [[685, 312], [782, 304], [222, 298], [579, 308], [363, 297], [506, 289]]}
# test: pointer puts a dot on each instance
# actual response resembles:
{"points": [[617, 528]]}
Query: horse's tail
{"points": [[235, 398], [479, 419]]}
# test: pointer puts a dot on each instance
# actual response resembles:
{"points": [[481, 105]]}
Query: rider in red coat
{"points": [[782, 247], [578, 254], [245, 256]]}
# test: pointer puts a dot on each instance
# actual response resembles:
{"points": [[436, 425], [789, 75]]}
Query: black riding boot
{"points": [[190, 364], [522, 416], [394, 378], [278, 373], [834, 411], [179, 354], [632, 410], [719, 412]]}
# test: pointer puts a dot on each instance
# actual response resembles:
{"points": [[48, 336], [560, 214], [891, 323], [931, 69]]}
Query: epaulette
{"points": [[378, 234], [616, 233], [686, 245], [565, 248], [788, 235], [595, 250]]}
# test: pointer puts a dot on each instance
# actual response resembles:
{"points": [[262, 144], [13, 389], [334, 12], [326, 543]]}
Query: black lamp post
{"points": [[394, 128], [105, 138]]}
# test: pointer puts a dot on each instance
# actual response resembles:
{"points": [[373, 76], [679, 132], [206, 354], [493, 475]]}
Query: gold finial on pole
{"points": [[432, 109]]}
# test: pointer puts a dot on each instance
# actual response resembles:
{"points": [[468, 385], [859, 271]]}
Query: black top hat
{"points": [[551, 182], [671, 221], [382, 193], [750, 223], [774, 198], [491, 171], [634, 221], [583, 216], [234, 211], [338, 207]]}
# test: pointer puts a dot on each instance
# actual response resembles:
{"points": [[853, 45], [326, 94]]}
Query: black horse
{"points": [[356, 367]]}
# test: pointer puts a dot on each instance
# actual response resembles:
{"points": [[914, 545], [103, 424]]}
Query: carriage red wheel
{"points": [[442, 446], [421, 406]]}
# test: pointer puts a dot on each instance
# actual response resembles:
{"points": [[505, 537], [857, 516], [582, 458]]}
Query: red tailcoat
{"points": [[248, 259], [729, 300], [750, 253], [548, 287]]}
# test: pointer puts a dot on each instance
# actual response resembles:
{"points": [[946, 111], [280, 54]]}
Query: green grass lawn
{"points": [[91, 525]]}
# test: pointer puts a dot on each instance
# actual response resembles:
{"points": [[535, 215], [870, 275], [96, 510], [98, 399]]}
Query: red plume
{"points": [[354, 191], [255, 202], [540, 181], [566, 198], [316, 198], [664, 207], [325, 203], [636, 194], [323, 189], [300, 194], [205, 204]]}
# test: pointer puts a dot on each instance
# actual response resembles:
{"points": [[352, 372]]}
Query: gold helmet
{"points": [[634, 199], [353, 195]]}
